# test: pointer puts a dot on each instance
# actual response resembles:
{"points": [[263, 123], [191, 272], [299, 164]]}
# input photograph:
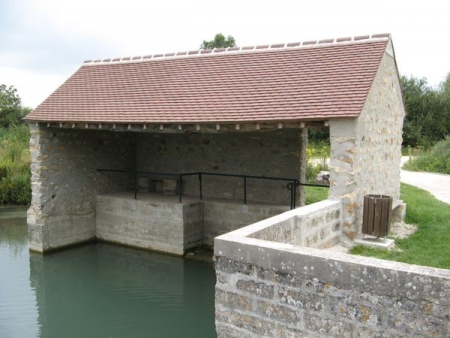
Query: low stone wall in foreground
{"points": [[276, 289]]}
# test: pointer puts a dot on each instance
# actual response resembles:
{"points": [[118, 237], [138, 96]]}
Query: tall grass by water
{"points": [[15, 187]]}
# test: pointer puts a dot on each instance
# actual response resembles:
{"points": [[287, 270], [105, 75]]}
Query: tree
{"points": [[428, 112], [219, 42], [11, 110]]}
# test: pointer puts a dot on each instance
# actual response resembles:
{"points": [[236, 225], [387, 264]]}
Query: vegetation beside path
{"points": [[436, 159]]}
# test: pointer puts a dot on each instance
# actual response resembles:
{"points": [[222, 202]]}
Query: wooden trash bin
{"points": [[377, 215]]}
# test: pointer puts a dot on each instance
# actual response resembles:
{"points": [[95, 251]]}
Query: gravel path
{"points": [[437, 184]]}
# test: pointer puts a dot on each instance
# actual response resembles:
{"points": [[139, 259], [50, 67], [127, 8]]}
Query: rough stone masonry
{"points": [[272, 287], [366, 151]]}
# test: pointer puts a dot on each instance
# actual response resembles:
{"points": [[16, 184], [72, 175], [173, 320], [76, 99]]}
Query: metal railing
{"points": [[292, 184]]}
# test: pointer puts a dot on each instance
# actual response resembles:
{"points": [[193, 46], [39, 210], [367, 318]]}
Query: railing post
{"points": [[201, 187], [181, 185], [135, 184], [245, 189], [294, 190], [290, 188]]}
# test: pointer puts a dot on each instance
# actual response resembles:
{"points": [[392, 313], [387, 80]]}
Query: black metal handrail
{"points": [[293, 183]]}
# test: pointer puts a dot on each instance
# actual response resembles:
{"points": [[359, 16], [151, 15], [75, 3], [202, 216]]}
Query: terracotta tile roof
{"points": [[283, 82]]}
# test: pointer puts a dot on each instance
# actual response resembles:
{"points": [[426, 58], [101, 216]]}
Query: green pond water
{"points": [[99, 290]]}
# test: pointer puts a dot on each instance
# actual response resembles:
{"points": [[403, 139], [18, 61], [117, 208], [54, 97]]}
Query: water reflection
{"points": [[103, 290], [18, 310]]}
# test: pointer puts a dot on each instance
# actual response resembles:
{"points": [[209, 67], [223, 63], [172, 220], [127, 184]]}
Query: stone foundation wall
{"points": [[65, 181], [271, 289], [167, 227], [269, 153], [366, 151]]}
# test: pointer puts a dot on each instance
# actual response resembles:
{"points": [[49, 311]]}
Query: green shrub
{"points": [[436, 159], [317, 155], [313, 169], [318, 150]]}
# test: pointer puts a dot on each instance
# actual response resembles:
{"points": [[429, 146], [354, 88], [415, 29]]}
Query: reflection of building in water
{"points": [[101, 290]]}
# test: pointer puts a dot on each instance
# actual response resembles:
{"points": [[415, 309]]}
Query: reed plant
{"points": [[15, 186]]}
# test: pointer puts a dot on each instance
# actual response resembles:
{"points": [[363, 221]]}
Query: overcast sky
{"points": [[43, 42]]}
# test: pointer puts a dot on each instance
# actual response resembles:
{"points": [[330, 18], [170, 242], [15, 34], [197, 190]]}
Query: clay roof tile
{"points": [[284, 82]]}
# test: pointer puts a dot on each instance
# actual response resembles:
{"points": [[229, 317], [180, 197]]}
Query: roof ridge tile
{"points": [[323, 42]]}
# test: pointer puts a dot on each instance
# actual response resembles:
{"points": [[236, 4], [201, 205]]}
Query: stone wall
{"points": [[167, 227], [221, 217], [268, 153], [317, 226], [271, 289], [171, 227], [65, 181], [366, 151]]}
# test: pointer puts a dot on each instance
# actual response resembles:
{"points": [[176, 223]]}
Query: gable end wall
{"points": [[366, 151]]}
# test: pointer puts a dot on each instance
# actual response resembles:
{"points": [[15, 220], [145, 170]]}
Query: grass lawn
{"points": [[430, 244], [315, 194]]}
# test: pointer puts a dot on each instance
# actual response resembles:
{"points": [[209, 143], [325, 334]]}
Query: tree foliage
{"points": [[219, 41], [428, 111], [11, 110]]}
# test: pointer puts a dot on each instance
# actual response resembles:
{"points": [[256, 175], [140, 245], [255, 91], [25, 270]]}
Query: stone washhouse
{"points": [[173, 151], [142, 121]]}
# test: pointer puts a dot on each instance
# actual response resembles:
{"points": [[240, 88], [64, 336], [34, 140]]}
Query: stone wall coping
{"points": [[238, 246], [251, 251]]}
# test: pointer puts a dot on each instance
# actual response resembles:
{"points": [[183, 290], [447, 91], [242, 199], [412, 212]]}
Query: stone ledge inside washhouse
{"points": [[65, 181], [150, 223], [158, 222]]}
